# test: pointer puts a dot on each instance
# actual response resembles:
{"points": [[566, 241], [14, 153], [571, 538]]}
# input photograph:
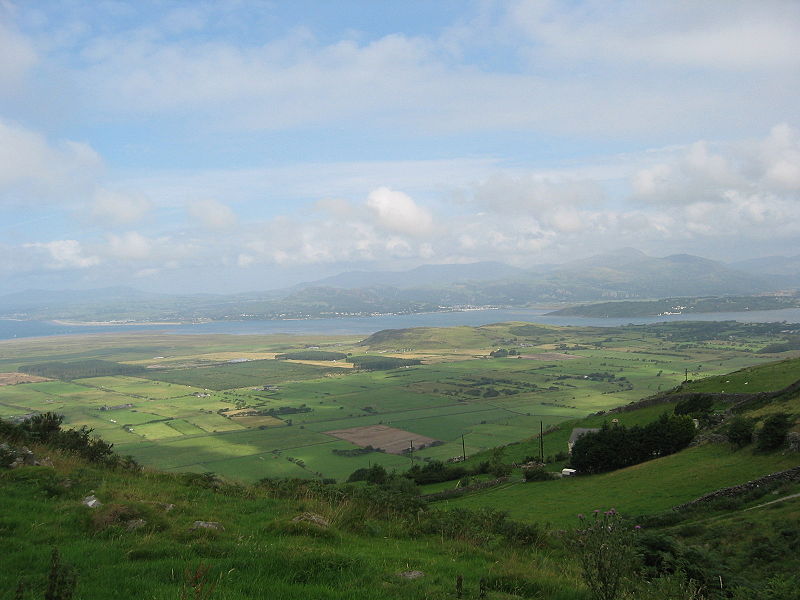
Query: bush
{"points": [[45, 428], [536, 474], [695, 405], [740, 431], [773, 432], [776, 588], [606, 549]]}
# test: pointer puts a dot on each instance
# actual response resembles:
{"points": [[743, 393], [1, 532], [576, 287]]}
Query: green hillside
{"points": [[291, 539]]}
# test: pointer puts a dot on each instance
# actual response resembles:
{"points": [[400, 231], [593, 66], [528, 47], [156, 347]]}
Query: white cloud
{"points": [[584, 68], [130, 246], [396, 211], [65, 254], [119, 208], [29, 162], [245, 260], [714, 35], [18, 57], [211, 213]]}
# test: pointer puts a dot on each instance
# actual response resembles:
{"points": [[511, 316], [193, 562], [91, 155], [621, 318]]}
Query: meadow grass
{"points": [[445, 399], [678, 478]]}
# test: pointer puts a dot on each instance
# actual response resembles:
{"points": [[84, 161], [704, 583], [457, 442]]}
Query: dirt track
{"points": [[549, 356]]}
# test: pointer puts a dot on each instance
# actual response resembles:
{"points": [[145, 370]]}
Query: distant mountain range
{"points": [[425, 275], [624, 274]]}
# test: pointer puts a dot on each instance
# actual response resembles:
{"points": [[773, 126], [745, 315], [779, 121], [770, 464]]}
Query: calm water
{"points": [[368, 325]]}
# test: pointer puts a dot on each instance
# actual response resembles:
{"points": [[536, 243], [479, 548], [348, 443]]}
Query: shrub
{"points": [[740, 431], [694, 405], [773, 432], [607, 553], [536, 474]]}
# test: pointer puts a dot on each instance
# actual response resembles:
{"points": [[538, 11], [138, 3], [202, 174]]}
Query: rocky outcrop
{"points": [[13, 458]]}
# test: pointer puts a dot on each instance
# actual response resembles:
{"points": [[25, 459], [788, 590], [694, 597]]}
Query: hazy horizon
{"points": [[228, 147]]}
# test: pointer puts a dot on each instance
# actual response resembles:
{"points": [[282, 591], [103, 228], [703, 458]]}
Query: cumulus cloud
{"points": [[65, 254], [119, 208], [629, 68], [398, 212], [28, 161], [704, 173], [211, 213], [18, 57], [130, 246]]}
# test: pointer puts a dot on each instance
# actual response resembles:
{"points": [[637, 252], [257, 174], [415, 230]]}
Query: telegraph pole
{"points": [[541, 440], [463, 449]]}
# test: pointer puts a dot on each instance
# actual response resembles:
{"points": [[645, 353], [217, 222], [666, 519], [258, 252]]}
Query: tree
{"points": [[740, 431], [773, 432]]}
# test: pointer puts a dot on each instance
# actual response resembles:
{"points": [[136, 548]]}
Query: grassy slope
{"points": [[674, 479], [649, 487], [258, 555]]}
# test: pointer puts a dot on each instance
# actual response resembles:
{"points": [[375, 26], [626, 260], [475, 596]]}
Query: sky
{"points": [[237, 145]]}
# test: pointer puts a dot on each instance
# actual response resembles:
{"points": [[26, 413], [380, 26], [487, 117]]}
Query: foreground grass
{"points": [[259, 554]]}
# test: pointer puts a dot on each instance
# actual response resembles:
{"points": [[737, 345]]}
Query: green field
{"points": [[679, 478], [180, 414]]}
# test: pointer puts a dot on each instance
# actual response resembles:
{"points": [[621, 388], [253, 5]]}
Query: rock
{"points": [[28, 457], [92, 502], [134, 524], [44, 462], [315, 519], [165, 506], [793, 441], [411, 574], [207, 525]]}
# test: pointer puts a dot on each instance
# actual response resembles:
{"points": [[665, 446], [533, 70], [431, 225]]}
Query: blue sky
{"points": [[242, 145]]}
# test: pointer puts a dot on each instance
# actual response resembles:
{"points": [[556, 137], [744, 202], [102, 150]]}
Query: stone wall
{"points": [[790, 475], [455, 492], [737, 401]]}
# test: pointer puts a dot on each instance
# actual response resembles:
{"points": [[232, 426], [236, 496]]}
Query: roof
{"points": [[581, 431]]}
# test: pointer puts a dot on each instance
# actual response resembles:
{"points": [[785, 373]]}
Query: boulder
{"points": [[313, 518], [92, 501], [134, 524], [411, 574], [207, 525], [28, 457]]}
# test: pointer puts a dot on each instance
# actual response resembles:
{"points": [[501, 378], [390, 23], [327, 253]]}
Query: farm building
{"points": [[577, 433]]}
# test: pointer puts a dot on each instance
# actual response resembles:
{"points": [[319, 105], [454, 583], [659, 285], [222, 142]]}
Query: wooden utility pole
{"points": [[463, 448], [541, 440], [411, 451]]}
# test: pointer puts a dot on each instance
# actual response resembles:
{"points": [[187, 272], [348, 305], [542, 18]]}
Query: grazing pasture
{"points": [[187, 407]]}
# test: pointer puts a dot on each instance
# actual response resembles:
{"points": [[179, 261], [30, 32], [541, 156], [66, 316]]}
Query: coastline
{"points": [[67, 323]]}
